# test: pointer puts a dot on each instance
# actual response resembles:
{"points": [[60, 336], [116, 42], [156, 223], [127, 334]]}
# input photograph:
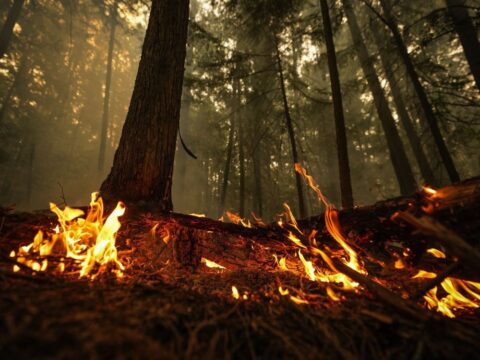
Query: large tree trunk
{"points": [[291, 133], [405, 119], [341, 135], [467, 33], [420, 92], [401, 165], [108, 83], [7, 29], [143, 164]]}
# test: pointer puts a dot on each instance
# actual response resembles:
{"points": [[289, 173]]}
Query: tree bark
{"points": [[341, 135], [257, 174], [241, 148], [228, 161], [108, 83], [143, 164], [401, 165], [420, 92], [467, 33], [291, 133], [7, 29], [405, 119]]}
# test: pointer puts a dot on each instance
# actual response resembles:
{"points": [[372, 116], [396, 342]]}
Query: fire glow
{"points": [[89, 241]]}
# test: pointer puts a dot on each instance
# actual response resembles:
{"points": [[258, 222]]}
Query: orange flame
{"points": [[89, 240], [211, 264], [236, 219], [461, 294]]}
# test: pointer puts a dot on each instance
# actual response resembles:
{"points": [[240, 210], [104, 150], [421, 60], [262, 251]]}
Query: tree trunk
{"points": [[467, 33], [291, 133], [241, 146], [228, 161], [413, 138], [108, 83], [7, 30], [422, 96], [401, 165], [257, 174], [143, 164], [341, 135]]}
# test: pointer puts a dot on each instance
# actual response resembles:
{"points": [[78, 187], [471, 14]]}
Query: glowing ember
{"points": [[211, 264], [282, 291], [235, 293], [89, 240], [298, 300], [437, 253]]}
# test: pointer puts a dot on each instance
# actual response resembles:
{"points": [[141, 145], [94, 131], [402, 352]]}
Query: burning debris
{"points": [[88, 241], [310, 264]]}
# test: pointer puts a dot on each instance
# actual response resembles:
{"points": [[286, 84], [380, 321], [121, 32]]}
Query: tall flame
{"points": [[331, 221], [89, 240]]}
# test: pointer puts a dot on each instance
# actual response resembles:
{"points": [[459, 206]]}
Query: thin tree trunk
{"points": [[143, 164], [241, 160], [467, 33], [422, 96], [108, 83], [7, 29], [412, 136], [228, 161], [341, 134], [257, 174], [401, 165], [291, 133]]}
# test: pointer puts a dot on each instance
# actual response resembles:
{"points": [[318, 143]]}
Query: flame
{"points": [[295, 240], [429, 192], [89, 240], [461, 294], [282, 291], [198, 215], [212, 264], [331, 221], [298, 300], [235, 293], [236, 219], [314, 273], [431, 195], [437, 253], [282, 263], [399, 264], [332, 295]]}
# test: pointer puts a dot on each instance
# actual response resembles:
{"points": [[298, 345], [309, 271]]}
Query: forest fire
{"points": [[89, 241]]}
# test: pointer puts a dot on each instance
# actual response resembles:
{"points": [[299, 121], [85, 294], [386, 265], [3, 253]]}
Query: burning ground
{"points": [[396, 279]]}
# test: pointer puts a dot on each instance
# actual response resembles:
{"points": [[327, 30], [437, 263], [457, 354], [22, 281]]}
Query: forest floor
{"points": [[162, 310]]}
